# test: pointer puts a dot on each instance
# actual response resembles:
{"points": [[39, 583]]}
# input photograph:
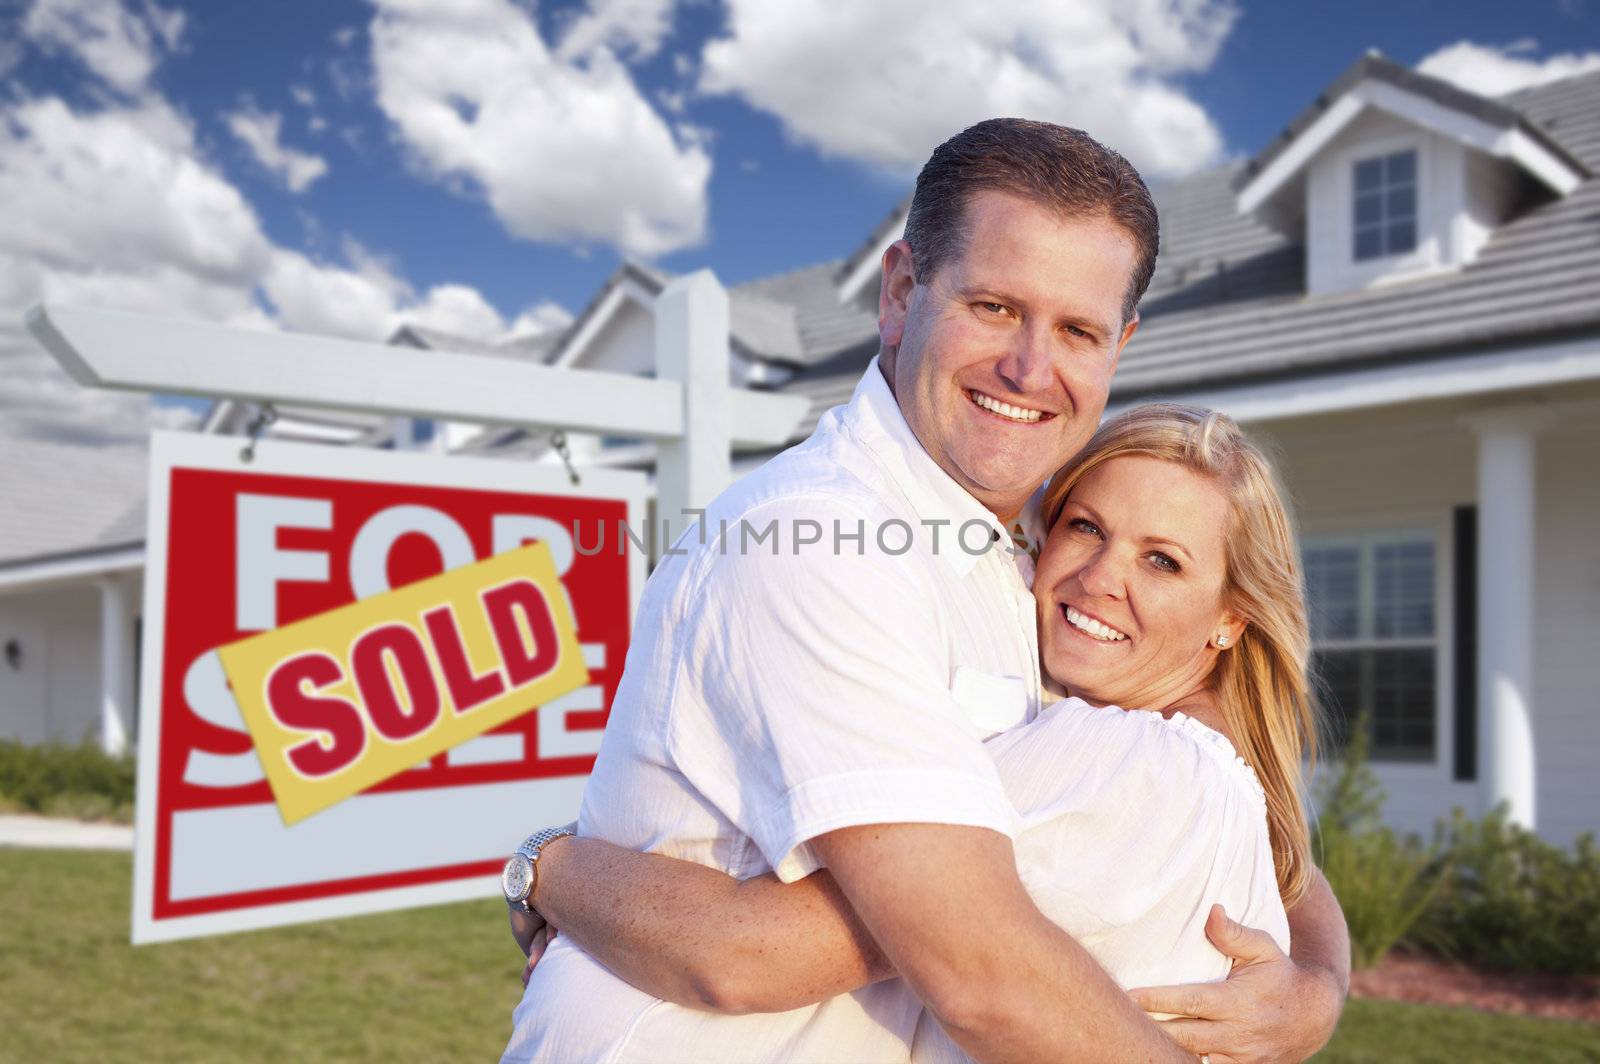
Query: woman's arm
{"points": [[698, 937]]}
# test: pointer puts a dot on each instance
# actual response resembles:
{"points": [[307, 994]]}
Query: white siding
{"points": [[1356, 473], [625, 344], [1370, 472], [55, 694], [1567, 635]]}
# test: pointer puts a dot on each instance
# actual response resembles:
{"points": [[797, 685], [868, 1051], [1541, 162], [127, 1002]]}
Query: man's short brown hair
{"points": [[1063, 169]]}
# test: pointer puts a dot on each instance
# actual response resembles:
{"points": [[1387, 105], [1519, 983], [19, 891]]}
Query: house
{"points": [[1401, 296]]}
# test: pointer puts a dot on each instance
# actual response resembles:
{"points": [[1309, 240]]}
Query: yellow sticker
{"points": [[342, 700]]}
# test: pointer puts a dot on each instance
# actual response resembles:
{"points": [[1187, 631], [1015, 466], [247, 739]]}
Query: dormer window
{"points": [[1385, 205], [1393, 175]]}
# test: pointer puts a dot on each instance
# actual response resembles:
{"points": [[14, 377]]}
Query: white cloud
{"points": [[118, 200], [1494, 70], [122, 47], [116, 207], [303, 95], [259, 131], [885, 82], [542, 317], [636, 27], [561, 150]]}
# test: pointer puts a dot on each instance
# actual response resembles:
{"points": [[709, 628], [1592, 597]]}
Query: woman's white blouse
{"points": [[1133, 826]]}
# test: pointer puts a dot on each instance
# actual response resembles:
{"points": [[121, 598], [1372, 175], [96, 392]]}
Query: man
{"points": [[813, 708]]}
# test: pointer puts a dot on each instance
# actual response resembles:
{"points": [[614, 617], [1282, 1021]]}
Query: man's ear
{"points": [[894, 293], [1127, 334]]}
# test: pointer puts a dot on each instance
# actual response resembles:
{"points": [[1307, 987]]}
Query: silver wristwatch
{"points": [[521, 872]]}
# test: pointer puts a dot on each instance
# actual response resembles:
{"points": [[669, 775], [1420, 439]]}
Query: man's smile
{"points": [[1021, 415]]}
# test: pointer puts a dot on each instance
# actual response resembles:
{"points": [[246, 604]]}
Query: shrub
{"points": [[58, 779], [1383, 882], [1511, 900]]}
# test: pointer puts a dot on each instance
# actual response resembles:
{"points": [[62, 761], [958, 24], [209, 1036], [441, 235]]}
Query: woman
{"points": [[1168, 583]]}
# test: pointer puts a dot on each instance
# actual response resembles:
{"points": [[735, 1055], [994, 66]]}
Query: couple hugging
{"points": [[856, 803]]}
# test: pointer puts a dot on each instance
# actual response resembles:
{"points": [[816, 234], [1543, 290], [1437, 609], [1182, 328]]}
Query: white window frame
{"points": [[1384, 187], [1429, 254], [1436, 526]]}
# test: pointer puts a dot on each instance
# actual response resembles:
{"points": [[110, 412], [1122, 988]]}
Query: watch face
{"points": [[517, 877]]}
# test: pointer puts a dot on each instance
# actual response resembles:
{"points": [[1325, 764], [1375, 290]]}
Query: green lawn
{"points": [[426, 985]]}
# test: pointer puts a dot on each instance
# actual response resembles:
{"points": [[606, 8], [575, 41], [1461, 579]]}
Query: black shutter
{"points": [[1465, 643]]}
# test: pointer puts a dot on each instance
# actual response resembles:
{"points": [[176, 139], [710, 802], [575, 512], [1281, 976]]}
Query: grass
{"points": [[1394, 1032], [426, 985]]}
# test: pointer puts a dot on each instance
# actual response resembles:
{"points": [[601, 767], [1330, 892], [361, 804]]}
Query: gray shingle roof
{"points": [[1228, 299], [890, 223], [763, 321], [1374, 67], [825, 326], [1230, 304], [63, 498]]}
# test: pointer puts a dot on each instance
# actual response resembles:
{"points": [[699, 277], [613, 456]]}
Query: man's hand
{"points": [[533, 935], [1269, 1009]]}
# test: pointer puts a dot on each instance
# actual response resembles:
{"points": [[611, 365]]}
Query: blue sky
{"points": [[481, 165]]}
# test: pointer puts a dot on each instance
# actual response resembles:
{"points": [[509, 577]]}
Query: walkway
{"points": [[63, 834]]}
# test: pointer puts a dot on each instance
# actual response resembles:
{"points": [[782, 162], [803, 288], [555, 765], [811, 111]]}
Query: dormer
{"points": [[1393, 175]]}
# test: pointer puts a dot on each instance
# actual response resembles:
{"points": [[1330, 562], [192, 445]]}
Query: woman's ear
{"points": [[1230, 626]]}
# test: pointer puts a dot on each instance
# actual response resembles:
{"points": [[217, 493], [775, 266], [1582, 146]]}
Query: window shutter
{"points": [[1465, 643]]}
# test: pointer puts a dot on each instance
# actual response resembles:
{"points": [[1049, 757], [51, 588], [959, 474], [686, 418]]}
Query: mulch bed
{"points": [[1412, 977]]}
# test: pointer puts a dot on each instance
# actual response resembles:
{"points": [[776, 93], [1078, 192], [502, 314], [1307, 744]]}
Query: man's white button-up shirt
{"points": [[828, 650]]}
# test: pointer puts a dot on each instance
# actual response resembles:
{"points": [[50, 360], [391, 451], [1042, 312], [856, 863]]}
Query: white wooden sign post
{"points": [[688, 408]]}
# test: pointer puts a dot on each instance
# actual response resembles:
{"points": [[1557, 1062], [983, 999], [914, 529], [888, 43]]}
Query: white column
{"points": [[692, 347], [1506, 546], [116, 663]]}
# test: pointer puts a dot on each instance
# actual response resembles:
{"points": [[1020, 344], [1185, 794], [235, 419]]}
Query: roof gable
{"points": [[1374, 82]]}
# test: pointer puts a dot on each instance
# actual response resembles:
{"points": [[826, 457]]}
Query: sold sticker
{"points": [[344, 699]]}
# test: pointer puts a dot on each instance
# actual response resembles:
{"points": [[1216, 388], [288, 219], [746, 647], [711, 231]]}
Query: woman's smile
{"points": [[1093, 627]]}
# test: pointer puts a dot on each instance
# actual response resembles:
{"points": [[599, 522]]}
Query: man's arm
{"points": [[1271, 1007], [951, 915], [698, 937]]}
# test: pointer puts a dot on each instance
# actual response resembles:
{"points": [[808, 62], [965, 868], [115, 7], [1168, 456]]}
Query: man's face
{"points": [[1002, 361]]}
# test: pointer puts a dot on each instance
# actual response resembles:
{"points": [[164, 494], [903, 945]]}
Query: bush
{"points": [[61, 780], [1511, 900], [1383, 882]]}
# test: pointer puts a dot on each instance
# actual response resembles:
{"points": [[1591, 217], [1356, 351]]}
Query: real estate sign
{"points": [[422, 652]]}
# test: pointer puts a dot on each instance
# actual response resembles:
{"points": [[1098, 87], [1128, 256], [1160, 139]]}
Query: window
{"points": [[1385, 205], [1374, 637]]}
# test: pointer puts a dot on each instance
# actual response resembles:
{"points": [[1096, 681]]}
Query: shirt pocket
{"points": [[991, 704]]}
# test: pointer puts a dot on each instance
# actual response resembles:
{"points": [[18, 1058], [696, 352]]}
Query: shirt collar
{"points": [[874, 418]]}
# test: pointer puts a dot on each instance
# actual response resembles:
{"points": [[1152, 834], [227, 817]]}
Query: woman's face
{"points": [[1130, 584]]}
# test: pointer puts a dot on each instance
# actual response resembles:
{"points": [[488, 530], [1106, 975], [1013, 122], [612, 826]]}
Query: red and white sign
{"points": [[236, 548]]}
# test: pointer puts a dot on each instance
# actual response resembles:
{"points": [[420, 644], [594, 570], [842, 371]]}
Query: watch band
{"points": [[530, 850]]}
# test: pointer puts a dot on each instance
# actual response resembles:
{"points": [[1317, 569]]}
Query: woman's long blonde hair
{"points": [[1261, 681]]}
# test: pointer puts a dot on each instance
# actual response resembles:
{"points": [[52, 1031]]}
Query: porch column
{"points": [[1506, 536], [116, 663], [692, 347]]}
